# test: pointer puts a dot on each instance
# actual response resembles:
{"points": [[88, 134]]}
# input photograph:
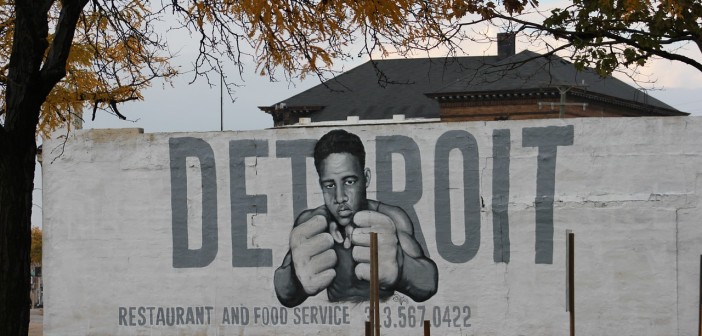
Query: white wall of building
{"points": [[629, 188]]}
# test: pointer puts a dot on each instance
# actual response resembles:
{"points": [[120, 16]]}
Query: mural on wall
{"points": [[266, 232], [323, 251], [330, 244]]}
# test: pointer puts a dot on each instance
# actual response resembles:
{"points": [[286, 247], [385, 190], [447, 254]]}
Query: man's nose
{"points": [[340, 195]]}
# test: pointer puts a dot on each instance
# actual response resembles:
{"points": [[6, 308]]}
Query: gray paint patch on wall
{"points": [[180, 149], [465, 142], [298, 151], [500, 194], [547, 139], [244, 204], [405, 199]]}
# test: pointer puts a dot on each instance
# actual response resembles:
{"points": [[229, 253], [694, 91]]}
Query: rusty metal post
{"points": [[427, 328], [571, 281], [375, 293]]}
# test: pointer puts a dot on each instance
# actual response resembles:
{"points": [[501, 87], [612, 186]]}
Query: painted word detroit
{"points": [[545, 139]]}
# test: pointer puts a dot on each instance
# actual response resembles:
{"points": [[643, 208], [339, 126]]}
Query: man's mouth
{"points": [[344, 211]]}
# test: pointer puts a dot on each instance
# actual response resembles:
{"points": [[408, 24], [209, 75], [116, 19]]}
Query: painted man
{"points": [[330, 244]]}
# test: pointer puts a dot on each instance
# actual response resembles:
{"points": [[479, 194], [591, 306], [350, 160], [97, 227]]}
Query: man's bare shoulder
{"points": [[309, 213], [397, 214]]}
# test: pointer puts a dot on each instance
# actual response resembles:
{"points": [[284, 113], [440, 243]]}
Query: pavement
{"points": [[36, 322]]}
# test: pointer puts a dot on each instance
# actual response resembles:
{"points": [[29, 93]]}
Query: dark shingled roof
{"points": [[380, 89], [530, 71], [393, 86]]}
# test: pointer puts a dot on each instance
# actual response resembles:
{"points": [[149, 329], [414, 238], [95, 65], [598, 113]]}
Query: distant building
{"points": [[511, 85]]}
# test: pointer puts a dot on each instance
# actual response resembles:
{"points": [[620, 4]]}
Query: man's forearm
{"points": [[419, 278], [287, 287]]}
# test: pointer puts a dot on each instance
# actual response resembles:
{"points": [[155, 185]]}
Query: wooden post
{"points": [[374, 286], [571, 281], [427, 328], [699, 317], [369, 330], [371, 303]]}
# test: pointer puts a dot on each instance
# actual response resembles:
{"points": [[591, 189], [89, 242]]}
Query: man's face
{"points": [[344, 184]]}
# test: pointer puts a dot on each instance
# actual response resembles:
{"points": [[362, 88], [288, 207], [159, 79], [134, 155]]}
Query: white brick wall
{"points": [[627, 187]]}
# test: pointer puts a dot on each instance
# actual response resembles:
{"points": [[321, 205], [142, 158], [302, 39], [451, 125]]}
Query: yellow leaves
{"points": [[318, 53], [306, 36], [199, 10], [7, 26], [675, 8], [202, 13], [633, 5], [81, 55], [111, 60], [35, 253]]}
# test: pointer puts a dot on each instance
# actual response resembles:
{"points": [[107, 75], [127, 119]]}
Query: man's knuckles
{"points": [[317, 222], [361, 254], [314, 225], [368, 218], [319, 241], [324, 240], [362, 271], [326, 259], [387, 240], [388, 278], [309, 228], [315, 283]]}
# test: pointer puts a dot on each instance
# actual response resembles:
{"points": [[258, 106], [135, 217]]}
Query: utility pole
{"points": [[221, 101], [563, 90]]}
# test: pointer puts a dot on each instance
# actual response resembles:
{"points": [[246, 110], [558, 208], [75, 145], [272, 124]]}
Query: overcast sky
{"points": [[196, 107]]}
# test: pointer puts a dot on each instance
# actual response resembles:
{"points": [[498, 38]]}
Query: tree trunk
{"points": [[26, 91], [34, 69], [17, 160], [16, 184]]}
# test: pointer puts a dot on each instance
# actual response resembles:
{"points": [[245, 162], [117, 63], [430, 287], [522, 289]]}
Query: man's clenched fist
{"points": [[313, 255], [390, 256]]}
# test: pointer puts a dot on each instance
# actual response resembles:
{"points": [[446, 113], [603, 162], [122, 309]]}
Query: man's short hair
{"points": [[339, 141]]}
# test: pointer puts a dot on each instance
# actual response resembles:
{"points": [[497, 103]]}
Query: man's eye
{"points": [[329, 186], [350, 182]]}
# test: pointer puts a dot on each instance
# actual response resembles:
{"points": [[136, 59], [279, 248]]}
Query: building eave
{"points": [[489, 96], [297, 110]]}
